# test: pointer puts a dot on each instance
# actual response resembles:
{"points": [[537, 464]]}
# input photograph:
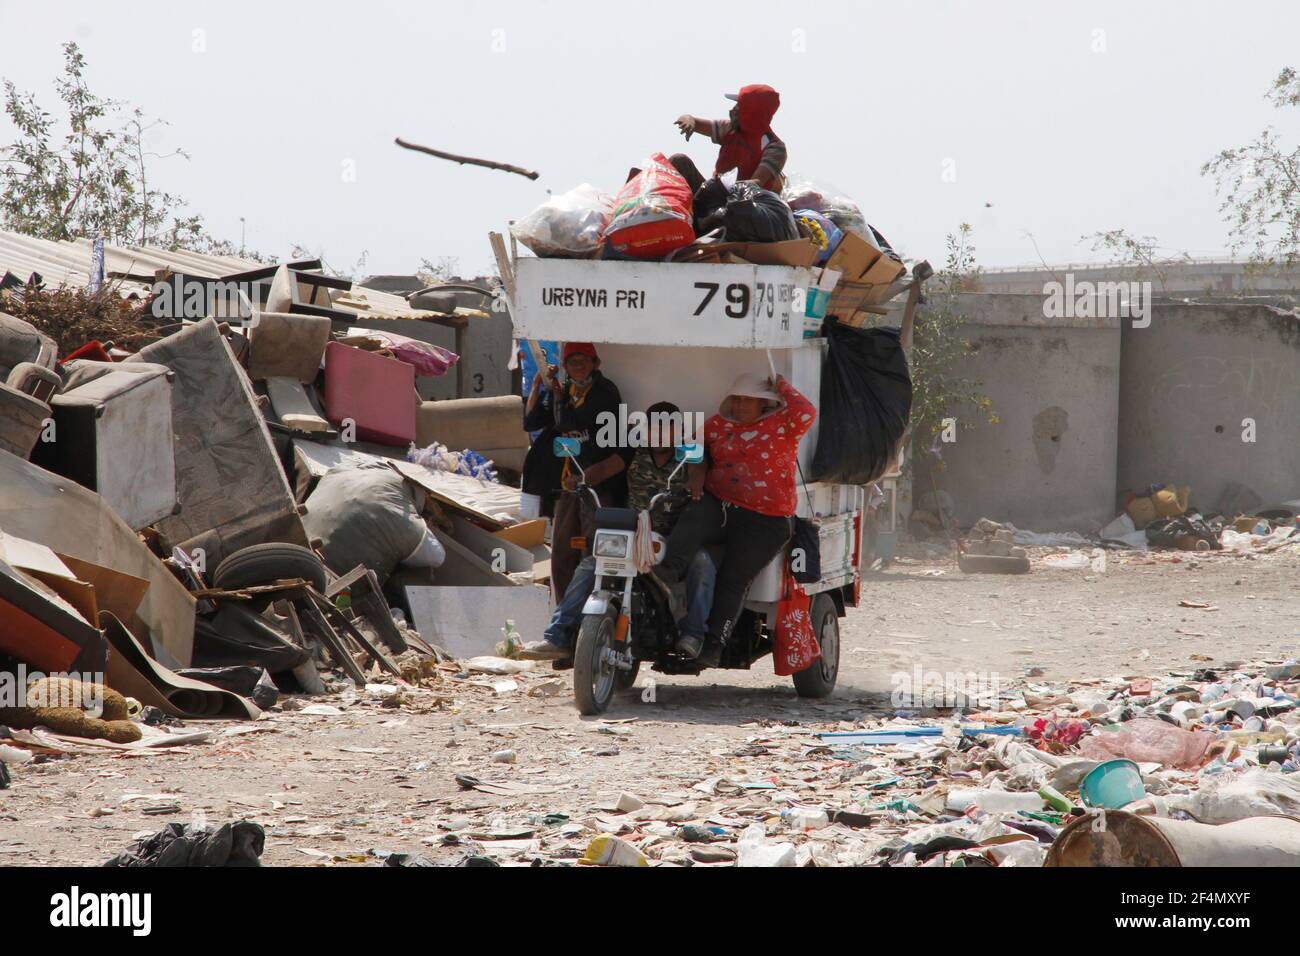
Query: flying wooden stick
{"points": [[505, 167]]}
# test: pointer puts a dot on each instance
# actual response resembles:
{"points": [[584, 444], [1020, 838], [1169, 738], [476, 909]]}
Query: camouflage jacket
{"points": [[645, 480]]}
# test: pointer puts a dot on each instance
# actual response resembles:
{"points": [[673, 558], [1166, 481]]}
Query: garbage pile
{"points": [[1160, 520], [1195, 768], [237, 510]]}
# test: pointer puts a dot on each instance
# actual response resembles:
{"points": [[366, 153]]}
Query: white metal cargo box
{"points": [[705, 305], [114, 436], [834, 509]]}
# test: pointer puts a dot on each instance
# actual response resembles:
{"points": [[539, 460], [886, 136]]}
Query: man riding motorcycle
{"points": [[648, 475]]}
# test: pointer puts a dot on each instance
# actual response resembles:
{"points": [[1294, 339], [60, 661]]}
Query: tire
{"points": [[594, 680], [267, 563], [818, 679]]}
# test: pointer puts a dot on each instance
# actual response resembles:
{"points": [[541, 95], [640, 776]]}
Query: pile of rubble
{"points": [[240, 508]]}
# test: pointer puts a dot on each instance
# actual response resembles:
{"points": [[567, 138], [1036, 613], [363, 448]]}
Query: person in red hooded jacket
{"points": [[748, 144]]}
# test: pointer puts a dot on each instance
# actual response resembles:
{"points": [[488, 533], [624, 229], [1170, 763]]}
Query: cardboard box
{"points": [[853, 259], [526, 534], [878, 279], [792, 252]]}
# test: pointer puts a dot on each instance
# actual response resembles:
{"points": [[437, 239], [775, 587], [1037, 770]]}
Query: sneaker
{"points": [[544, 651], [711, 656], [688, 645]]}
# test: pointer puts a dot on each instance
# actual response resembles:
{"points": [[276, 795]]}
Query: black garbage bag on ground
{"points": [[1165, 532], [755, 214], [246, 681], [235, 844], [866, 398]]}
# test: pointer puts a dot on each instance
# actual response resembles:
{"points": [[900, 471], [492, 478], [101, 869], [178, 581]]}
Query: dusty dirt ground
{"points": [[331, 789]]}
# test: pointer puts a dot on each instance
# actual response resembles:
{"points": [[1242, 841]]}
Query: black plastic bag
{"points": [[866, 398], [755, 214], [236, 636], [245, 680], [178, 844], [806, 552]]}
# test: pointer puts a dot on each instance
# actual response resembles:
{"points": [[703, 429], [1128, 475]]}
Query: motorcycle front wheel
{"points": [[595, 677]]}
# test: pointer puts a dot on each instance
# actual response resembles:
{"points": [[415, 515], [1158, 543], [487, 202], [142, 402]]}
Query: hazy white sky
{"points": [[1067, 117]]}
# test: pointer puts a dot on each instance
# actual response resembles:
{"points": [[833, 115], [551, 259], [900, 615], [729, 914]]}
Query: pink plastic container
{"points": [[375, 392]]}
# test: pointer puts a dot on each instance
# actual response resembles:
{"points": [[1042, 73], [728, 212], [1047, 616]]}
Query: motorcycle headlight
{"points": [[612, 546]]}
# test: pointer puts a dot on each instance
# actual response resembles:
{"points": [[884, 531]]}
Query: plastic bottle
{"points": [[510, 642], [805, 818]]}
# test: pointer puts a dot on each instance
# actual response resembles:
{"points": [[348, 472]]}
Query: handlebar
{"points": [[583, 486]]}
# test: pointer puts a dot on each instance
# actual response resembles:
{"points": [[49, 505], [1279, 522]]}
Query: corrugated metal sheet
{"points": [[68, 262], [132, 269]]}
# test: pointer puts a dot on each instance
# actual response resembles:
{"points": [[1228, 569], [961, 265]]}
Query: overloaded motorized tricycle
{"points": [[627, 620], [677, 332]]}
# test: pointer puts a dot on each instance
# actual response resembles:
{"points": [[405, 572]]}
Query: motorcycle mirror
{"points": [[566, 447], [692, 454]]}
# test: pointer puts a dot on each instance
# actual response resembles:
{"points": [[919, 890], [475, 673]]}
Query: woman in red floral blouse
{"points": [[744, 499]]}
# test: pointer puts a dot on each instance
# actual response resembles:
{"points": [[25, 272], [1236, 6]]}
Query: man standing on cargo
{"points": [[576, 406]]}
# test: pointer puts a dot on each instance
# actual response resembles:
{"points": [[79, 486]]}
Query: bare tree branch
{"points": [[504, 167]]}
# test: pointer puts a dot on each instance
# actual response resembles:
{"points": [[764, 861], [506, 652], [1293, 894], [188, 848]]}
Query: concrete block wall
{"points": [[1050, 462], [1088, 411], [1188, 385]]}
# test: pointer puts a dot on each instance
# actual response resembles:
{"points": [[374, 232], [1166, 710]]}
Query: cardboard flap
{"points": [[132, 672]]}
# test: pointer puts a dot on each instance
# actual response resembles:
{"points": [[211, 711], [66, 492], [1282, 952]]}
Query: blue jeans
{"points": [[701, 574], [700, 577]]}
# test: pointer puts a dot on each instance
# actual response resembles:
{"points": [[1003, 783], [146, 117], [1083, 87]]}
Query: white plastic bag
{"points": [[568, 226], [754, 849], [803, 193]]}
